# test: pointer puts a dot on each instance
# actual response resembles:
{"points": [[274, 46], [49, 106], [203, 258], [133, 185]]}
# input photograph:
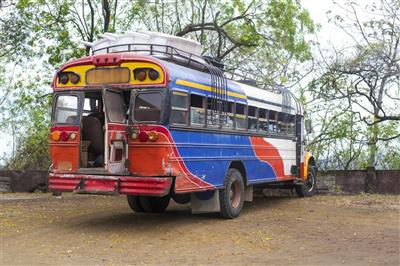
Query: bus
{"points": [[156, 122]]}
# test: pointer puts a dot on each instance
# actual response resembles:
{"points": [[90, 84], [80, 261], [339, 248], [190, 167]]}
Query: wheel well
{"points": [[239, 166], [311, 161]]}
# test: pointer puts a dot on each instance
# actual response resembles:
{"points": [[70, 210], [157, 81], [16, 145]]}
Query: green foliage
{"points": [[37, 36], [361, 83]]}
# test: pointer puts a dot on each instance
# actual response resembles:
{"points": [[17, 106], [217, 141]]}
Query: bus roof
{"points": [[184, 78]]}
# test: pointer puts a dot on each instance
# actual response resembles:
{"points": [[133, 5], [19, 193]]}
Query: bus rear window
{"points": [[66, 109], [148, 107]]}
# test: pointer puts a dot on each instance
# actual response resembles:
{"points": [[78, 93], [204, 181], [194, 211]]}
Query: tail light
{"points": [[143, 137], [64, 136], [72, 136], [153, 136], [55, 135]]}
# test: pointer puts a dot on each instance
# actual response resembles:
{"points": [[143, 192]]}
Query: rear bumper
{"points": [[114, 185]]}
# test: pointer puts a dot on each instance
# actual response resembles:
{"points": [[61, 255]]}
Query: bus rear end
{"points": [[91, 133]]}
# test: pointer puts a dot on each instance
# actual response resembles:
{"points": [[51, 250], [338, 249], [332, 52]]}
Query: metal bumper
{"points": [[110, 185]]}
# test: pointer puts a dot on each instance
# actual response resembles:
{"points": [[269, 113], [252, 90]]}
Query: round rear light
{"points": [[143, 137], [63, 78], [153, 136], [64, 136], [140, 74], [72, 136], [74, 78], [55, 135], [153, 75]]}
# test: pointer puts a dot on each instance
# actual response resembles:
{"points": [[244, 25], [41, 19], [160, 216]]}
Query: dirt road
{"points": [[89, 230]]}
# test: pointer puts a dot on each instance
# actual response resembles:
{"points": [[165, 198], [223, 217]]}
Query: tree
{"points": [[36, 36], [363, 81]]}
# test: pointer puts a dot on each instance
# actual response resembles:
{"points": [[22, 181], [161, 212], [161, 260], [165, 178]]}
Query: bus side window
{"points": [[240, 116], [197, 110], [263, 120], [179, 110], [252, 118], [212, 113], [273, 127], [228, 123], [282, 123], [291, 124]]}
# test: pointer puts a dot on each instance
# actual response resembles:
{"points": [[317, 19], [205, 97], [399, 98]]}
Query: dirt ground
{"points": [[100, 230]]}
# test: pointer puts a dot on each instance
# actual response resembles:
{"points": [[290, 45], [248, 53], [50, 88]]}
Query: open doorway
{"points": [[103, 131], [92, 131]]}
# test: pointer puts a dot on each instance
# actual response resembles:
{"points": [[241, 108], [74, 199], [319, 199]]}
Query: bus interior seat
{"points": [[92, 131]]}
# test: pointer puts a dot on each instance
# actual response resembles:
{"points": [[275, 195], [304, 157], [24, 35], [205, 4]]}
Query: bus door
{"points": [[65, 131], [116, 151]]}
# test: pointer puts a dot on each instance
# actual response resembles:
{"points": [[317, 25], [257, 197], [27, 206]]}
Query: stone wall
{"points": [[23, 181], [341, 181], [357, 181]]}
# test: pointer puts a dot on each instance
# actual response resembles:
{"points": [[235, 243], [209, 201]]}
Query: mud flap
{"points": [[205, 202], [248, 194]]}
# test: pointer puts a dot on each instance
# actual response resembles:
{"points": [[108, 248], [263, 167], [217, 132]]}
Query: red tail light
{"points": [[143, 137], [64, 136]]}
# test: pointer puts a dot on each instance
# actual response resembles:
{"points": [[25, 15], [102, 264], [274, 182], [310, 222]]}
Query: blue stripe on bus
{"points": [[208, 155]]}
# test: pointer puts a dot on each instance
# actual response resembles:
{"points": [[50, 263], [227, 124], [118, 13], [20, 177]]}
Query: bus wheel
{"points": [[134, 203], [309, 187], [155, 204], [181, 198], [231, 197]]}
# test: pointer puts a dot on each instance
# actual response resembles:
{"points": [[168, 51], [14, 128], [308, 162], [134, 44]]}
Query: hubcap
{"points": [[234, 194], [310, 182]]}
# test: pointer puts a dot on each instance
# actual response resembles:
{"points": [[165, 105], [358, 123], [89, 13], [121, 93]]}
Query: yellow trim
{"points": [[207, 88], [81, 71], [180, 93], [307, 157]]}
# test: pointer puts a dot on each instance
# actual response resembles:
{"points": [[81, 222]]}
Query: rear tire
{"points": [[134, 203], [231, 197], [181, 198], [309, 186], [155, 204]]}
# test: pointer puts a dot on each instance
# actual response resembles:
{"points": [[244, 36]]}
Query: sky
{"points": [[328, 35]]}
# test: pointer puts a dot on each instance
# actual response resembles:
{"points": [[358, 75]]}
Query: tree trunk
{"points": [[373, 143]]}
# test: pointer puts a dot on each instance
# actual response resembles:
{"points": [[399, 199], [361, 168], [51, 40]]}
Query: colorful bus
{"points": [[157, 123]]}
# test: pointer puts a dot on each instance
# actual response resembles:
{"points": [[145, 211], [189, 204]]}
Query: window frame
{"points": [[79, 95], [187, 110], [245, 105], [204, 103], [105, 106], [133, 104], [252, 117]]}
